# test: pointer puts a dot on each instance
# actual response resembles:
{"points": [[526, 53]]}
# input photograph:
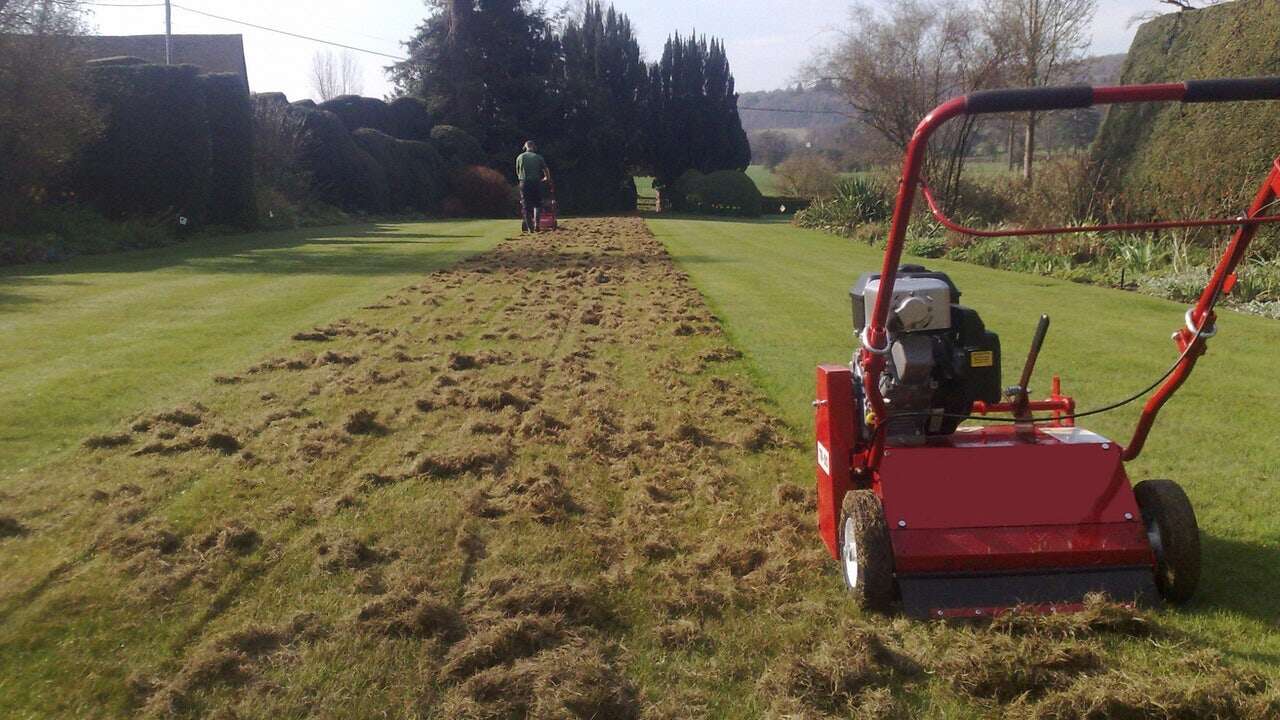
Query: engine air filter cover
{"points": [[919, 303]]}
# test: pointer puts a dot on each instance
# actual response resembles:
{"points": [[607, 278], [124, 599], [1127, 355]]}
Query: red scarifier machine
{"points": [[549, 209], [1027, 510]]}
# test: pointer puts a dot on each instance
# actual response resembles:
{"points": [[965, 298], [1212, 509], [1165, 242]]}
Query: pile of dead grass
{"points": [[851, 674], [159, 562], [1199, 686], [516, 645], [230, 659]]}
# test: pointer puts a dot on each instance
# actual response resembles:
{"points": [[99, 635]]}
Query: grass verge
{"points": [[89, 340]]}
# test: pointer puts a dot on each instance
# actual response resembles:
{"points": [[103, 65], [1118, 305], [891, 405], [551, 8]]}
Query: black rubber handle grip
{"points": [[1024, 99], [1037, 343], [1233, 89]]}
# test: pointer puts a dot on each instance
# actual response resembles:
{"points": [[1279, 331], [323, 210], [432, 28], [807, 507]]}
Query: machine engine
{"points": [[941, 357]]}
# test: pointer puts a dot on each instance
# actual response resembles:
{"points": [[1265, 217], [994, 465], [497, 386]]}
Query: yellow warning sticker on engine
{"points": [[982, 358]]}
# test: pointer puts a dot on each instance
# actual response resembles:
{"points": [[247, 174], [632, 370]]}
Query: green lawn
{"points": [[644, 187], [84, 342], [783, 294], [312, 572], [765, 180]]}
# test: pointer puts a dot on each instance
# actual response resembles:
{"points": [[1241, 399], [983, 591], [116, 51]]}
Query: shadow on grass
{"points": [[1240, 577], [7, 285], [707, 259], [350, 250]]}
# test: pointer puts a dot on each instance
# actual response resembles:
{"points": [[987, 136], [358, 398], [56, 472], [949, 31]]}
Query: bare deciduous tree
{"points": [[807, 175], [333, 75], [1044, 41], [897, 66]]}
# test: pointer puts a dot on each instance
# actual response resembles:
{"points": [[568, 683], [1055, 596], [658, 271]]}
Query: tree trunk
{"points": [[1013, 124], [1029, 150]]}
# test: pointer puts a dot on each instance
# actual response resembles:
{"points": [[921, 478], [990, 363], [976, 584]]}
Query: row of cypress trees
{"points": [[507, 71]]}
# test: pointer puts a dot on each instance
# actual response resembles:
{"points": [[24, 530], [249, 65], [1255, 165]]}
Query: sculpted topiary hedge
{"points": [[175, 143], [457, 146], [153, 156], [416, 174], [342, 173], [357, 112], [1171, 159], [231, 181], [410, 119]]}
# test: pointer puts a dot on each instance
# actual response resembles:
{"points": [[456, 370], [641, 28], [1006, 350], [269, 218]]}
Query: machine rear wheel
{"points": [[1174, 535], [866, 557]]}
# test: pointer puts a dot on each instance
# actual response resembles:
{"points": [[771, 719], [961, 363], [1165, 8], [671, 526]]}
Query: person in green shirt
{"points": [[531, 170]]}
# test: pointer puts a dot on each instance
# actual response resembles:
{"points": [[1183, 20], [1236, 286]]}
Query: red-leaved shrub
{"points": [[478, 191]]}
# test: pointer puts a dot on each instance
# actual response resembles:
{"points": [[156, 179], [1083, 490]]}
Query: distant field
{"points": [[770, 184], [644, 187], [86, 341], [765, 180]]}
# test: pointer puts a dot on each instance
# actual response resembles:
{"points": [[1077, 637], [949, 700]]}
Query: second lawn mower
{"points": [[1028, 509]]}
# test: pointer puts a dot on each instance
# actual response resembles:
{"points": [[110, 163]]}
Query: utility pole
{"points": [[168, 33]]}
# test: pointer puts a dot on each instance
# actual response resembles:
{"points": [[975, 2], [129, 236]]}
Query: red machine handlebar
{"points": [[1079, 96], [1199, 321]]}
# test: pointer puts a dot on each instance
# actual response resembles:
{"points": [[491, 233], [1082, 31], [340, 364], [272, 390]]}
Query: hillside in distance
{"points": [[812, 108]]}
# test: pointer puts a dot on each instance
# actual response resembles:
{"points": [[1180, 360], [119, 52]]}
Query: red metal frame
{"points": [[948, 223], [548, 220], [1038, 499], [1201, 316]]}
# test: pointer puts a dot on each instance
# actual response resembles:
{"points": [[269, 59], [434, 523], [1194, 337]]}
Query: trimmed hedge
{"points": [[1172, 159], [428, 174], [724, 192], [480, 191], [364, 171], [594, 189], [153, 157], [341, 172], [176, 143], [415, 172], [230, 118], [269, 98], [410, 119], [457, 146], [357, 112]]}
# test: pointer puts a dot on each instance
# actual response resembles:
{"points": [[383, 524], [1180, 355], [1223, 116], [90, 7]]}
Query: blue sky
{"points": [[767, 40]]}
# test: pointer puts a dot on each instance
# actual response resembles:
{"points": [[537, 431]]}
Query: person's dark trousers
{"points": [[531, 198]]}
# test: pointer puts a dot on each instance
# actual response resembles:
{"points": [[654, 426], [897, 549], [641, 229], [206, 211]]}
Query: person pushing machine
{"points": [[531, 170]]}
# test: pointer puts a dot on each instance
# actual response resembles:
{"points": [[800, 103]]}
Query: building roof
{"points": [[211, 53]]}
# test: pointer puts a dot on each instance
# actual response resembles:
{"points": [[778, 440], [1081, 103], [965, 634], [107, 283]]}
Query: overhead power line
{"points": [[256, 26], [793, 110], [290, 34], [375, 52]]}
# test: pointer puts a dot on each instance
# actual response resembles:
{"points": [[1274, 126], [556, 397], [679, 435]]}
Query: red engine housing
{"points": [[989, 517]]}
